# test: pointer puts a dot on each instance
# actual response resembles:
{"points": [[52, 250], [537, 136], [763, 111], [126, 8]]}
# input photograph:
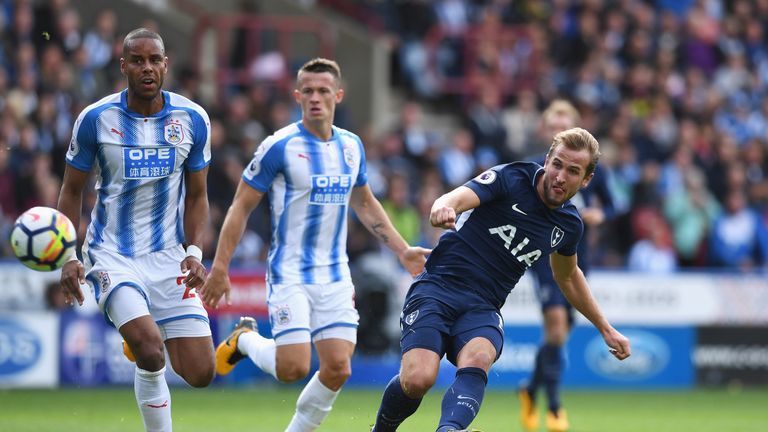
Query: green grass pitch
{"points": [[268, 409]]}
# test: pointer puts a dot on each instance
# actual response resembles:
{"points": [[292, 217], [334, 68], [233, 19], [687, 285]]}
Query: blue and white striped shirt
{"points": [[140, 163], [309, 182]]}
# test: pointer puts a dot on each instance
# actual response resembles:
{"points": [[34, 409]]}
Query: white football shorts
{"points": [[157, 278], [300, 313]]}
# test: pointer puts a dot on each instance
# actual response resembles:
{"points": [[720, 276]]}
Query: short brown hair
{"points": [[320, 65], [578, 139]]}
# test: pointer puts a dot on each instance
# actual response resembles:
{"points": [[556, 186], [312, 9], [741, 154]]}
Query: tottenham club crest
{"points": [[411, 317], [557, 236], [173, 131]]}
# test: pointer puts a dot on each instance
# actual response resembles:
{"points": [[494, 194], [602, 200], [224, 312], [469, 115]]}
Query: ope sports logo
{"points": [[148, 162], [330, 189], [20, 348], [324, 181]]}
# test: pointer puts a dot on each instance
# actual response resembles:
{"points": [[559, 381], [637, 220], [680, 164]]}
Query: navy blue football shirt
{"points": [[509, 231]]}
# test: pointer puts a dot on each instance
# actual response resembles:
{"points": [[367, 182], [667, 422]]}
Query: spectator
{"points": [[691, 212], [457, 163], [484, 119], [653, 253], [99, 40], [417, 140], [520, 121], [739, 238], [398, 206]]}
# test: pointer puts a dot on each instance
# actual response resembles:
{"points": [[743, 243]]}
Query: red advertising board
{"points": [[248, 295]]}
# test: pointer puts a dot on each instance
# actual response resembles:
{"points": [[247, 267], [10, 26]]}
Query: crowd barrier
{"points": [[686, 330]]}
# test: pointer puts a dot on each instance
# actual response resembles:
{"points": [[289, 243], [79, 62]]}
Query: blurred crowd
{"points": [[675, 91]]}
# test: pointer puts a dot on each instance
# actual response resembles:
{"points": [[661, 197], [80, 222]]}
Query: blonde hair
{"points": [[561, 107], [578, 139]]}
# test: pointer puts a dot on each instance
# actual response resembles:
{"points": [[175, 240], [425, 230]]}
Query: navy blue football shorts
{"points": [[443, 321]]}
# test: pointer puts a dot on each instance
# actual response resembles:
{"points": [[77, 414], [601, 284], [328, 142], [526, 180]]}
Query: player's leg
{"points": [[316, 399], [403, 394], [551, 361], [483, 329], [286, 356], [125, 302], [425, 324], [128, 310], [182, 319], [546, 363], [334, 332], [190, 349]]}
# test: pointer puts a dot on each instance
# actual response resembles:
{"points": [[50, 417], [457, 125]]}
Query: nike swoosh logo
{"points": [[466, 397], [514, 207]]}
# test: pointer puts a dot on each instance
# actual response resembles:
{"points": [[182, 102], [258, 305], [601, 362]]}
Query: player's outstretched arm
{"points": [[195, 219], [71, 203], [574, 286], [217, 284], [375, 219], [445, 208]]}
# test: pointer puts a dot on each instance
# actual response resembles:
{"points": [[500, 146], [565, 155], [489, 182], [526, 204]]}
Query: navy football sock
{"points": [[462, 400], [551, 371], [395, 407], [537, 377]]}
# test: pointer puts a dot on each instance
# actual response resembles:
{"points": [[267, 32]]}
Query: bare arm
{"points": [[246, 199], [195, 220], [445, 208], [71, 204], [375, 219], [574, 286]]}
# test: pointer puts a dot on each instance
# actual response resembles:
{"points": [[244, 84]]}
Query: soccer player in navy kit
{"points": [[556, 311], [502, 222]]}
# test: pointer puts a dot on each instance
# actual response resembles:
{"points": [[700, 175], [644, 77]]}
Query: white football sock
{"points": [[261, 350], [154, 400], [313, 405]]}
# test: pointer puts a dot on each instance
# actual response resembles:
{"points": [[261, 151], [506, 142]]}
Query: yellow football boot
{"points": [[557, 422], [529, 415], [227, 354], [128, 353]]}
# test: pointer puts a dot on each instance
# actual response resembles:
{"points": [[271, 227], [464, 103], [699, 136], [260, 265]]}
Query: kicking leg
{"points": [[462, 400], [261, 350], [403, 395]]}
